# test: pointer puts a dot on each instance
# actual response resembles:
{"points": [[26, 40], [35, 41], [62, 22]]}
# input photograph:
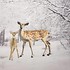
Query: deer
{"points": [[31, 36], [13, 45]]}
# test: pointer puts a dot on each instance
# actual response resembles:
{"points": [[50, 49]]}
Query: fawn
{"points": [[13, 45]]}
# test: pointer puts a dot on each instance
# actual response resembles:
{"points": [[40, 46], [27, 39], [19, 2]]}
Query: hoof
{"points": [[48, 54], [20, 55], [11, 59], [43, 55], [31, 56]]}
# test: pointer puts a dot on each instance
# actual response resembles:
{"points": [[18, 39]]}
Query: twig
{"points": [[59, 15], [52, 3], [63, 45]]}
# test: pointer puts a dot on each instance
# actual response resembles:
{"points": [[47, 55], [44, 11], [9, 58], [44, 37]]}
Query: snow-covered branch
{"points": [[52, 3], [63, 17]]}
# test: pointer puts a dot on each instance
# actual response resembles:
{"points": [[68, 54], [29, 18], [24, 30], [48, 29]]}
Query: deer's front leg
{"points": [[31, 49], [11, 53], [23, 48]]}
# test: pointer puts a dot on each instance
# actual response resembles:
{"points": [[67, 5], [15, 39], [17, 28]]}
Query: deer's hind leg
{"points": [[46, 45], [48, 48]]}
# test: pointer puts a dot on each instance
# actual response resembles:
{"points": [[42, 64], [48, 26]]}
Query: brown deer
{"points": [[13, 45], [33, 35]]}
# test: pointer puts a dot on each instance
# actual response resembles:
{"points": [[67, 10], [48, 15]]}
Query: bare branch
{"points": [[67, 14], [63, 45], [59, 15], [58, 6], [51, 3]]}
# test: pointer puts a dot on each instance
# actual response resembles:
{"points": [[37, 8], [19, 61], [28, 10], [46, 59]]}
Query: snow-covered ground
{"points": [[58, 60]]}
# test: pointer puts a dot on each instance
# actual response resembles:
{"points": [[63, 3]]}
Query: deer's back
{"points": [[35, 34]]}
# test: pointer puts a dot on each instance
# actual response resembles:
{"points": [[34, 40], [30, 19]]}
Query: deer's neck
{"points": [[20, 36]]}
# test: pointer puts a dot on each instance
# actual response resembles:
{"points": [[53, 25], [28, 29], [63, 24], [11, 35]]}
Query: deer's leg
{"points": [[45, 46], [11, 53], [17, 52], [31, 49], [49, 50], [33, 42], [23, 48]]}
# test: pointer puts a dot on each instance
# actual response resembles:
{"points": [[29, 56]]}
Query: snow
{"points": [[58, 60]]}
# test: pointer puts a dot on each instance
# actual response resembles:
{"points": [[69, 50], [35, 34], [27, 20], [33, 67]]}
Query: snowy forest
{"points": [[51, 15]]}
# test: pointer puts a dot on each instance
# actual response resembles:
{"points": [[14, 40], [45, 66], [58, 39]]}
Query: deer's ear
{"points": [[10, 32], [18, 22], [26, 24]]}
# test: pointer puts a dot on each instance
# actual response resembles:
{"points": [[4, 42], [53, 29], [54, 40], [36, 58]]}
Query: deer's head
{"points": [[22, 24], [13, 33]]}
